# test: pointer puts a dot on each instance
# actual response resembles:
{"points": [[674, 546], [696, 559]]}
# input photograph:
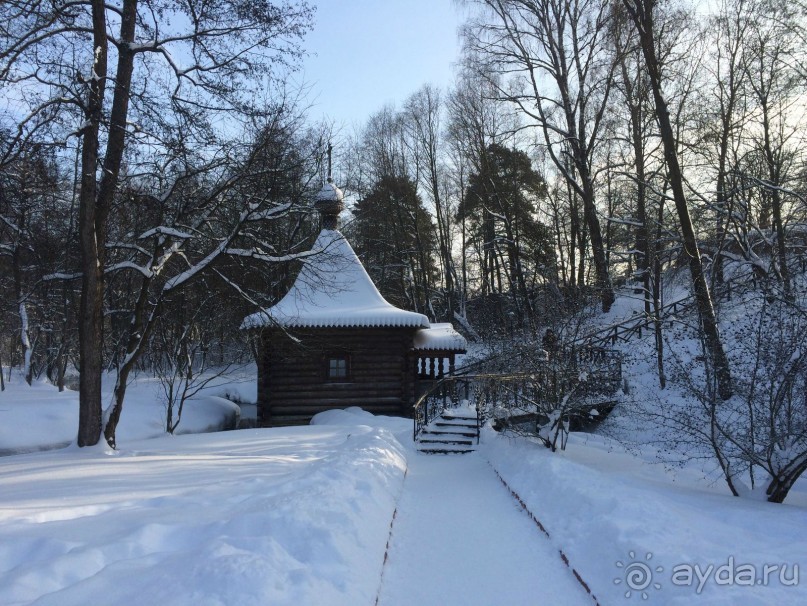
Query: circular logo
{"points": [[637, 575]]}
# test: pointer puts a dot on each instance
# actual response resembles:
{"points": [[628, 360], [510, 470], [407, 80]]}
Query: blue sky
{"points": [[366, 53]]}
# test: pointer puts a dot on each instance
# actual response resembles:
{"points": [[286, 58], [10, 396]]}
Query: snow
{"points": [[334, 290], [40, 418], [60, 276], [600, 504], [307, 515], [330, 192], [440, 336], [269, 213], [459, 538], [292, 516], [189, 273], [147, 273], [165, 230]]}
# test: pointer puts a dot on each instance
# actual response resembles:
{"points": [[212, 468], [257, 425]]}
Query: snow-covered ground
{"points": [[303, 516], [670, 425], [40, 418], [630, 528], [288, 516], [460, 538]]}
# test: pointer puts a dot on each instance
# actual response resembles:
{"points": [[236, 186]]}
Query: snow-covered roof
{"points": [[441, 336], [334, 290]]}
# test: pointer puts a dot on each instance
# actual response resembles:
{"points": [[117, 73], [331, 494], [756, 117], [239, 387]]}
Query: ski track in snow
{"points": [[453, 543]]}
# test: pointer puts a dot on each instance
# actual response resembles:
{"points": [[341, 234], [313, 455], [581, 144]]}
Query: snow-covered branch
{"points": [[164, 230], [260, 256], [128, 265]]}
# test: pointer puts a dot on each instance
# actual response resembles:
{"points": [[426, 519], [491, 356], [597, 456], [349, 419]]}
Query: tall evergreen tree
{"points": [[500, 205], [395, 238]]}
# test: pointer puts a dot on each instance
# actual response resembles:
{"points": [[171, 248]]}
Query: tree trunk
{"points": [[603, 278], [780, 485], [657, 303], [25, 333], [574, 228], [90, 327], [582, 244], [95, 201], [717, 269], [642, 14], [637, 139], [636, 98], [776, 205], [443, 239], [139, 333]]}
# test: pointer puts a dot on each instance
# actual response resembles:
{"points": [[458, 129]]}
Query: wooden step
{"points": [[449, 435], [428, 448], [459, 422], [444, 424], [444, 441], [438, 432]]}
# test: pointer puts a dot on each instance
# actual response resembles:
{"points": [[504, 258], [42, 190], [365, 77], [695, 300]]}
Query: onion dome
{"points": [[329, 203]]}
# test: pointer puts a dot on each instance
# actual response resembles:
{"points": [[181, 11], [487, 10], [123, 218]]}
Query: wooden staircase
{"points": [[450, 433]]}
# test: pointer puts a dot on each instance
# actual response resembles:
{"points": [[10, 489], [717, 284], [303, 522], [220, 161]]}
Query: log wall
{"points": [[292, 379]]}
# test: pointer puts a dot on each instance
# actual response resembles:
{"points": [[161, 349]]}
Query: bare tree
{"points": [[759, 437], [728, 28], [90, 70], [28, 194], [561, 70], [183, 362], [641, 13], [423, 112], [395, 232], [476, 121], [211, 217], [770, 49]]}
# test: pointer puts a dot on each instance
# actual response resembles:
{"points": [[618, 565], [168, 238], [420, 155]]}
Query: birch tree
{"points": [[423, 114]]}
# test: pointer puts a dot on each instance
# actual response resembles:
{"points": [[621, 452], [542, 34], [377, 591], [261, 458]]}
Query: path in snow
{"points": [[461, 538]]}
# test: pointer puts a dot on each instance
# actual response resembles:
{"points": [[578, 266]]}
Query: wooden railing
{"points": [[505, 395], [632, 327]]}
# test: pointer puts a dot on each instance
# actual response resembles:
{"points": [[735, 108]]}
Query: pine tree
{"points": [[395, 238], [500, 206]]}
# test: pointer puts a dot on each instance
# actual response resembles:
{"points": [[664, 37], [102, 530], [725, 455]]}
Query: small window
{"points": [[337, 369]]}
